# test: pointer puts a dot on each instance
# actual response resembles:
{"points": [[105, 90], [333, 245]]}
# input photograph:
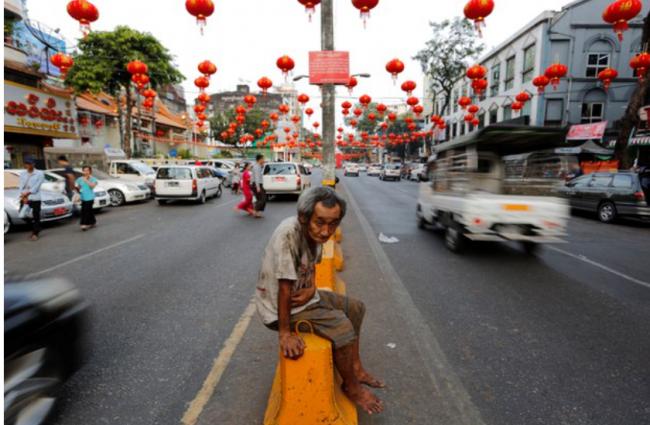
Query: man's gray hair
{"points": [[326, 195]]}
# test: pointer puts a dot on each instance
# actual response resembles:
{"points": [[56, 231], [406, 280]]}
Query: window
{"points": [[581, 181], [507, 113], [592, 112], [280, 169], [494, 115], [601, 181], [510, 73], [596, 62], [123, 168], [174, 174], [622, 181], [496, 80], [455, 101], [529, 64]]}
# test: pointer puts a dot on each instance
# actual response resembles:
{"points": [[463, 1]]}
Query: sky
{"points": [[244, 38]]}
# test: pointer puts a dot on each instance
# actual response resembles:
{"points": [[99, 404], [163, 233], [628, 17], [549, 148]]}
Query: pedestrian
{"points": [[68, 174], [85, 185], [30, 194], [258, 185], [236, 178], [286, 293], [247, 203]]}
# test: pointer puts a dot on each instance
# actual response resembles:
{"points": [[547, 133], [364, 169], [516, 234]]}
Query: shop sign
{"points": [[329, 67], [587, 131], [28, 108]]}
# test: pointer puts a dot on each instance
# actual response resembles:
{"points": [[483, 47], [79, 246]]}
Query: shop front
{"points": [[33, 118]]}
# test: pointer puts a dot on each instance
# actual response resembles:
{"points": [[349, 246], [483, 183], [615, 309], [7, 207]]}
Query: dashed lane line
{"points": [[83, 257]]}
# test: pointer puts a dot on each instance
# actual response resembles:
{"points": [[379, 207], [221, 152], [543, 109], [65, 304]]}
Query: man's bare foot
{"points": [[33, 237], [369, 380], [364, 399]]}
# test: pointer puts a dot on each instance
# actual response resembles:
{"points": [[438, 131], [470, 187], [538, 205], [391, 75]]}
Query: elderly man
{"points": [[286, 293]]}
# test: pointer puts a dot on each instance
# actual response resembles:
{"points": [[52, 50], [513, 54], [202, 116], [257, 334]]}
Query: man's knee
{"points": [[356, 313]]}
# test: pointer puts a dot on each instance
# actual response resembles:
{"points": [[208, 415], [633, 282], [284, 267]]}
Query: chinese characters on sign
{"points": [[587, 131], [328, 67]]}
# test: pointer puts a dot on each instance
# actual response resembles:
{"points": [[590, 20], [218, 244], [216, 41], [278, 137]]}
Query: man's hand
{"points": [[292, 346], [302, 296]]}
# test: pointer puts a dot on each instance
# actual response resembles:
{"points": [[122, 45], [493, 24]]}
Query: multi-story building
{"points": [[576, 36], [226, 101]]}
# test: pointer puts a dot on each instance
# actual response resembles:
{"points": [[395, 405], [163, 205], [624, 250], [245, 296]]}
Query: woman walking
{"points": [[85, 185], [247, 203]]}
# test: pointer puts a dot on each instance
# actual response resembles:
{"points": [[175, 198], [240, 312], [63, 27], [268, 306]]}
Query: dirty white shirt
{"points": [[287, 256]]}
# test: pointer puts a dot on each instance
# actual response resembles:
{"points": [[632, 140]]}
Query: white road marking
{"points": [[220, 364], [600, 266], [83, 257], [454, 396]]}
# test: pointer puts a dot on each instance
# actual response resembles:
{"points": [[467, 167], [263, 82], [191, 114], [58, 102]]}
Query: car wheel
{"points": [[162, 202], [31, 384], [117, 197], [607, 212], [454, 239], [202, 198]]}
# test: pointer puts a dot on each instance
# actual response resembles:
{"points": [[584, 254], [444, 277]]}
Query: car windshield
{"points": [[174, 174], [280, 169], [100, 175], [143, 168], [393, 167]]}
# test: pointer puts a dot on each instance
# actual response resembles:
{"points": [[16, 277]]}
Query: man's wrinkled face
{"points": [[323, 223]]}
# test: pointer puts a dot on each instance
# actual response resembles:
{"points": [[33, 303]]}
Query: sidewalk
{"points": [[418, 391]]}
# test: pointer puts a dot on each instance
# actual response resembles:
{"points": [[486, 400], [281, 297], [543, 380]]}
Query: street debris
{"points": [[385, 239]]}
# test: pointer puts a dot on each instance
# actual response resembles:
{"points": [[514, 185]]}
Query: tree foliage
{"points": [[220, 122], [100, 65], [447, 54]]}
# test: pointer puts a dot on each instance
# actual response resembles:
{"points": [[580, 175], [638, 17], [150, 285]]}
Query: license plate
{"points": [[279, 179], [172, 184], [516, 207], [102, 203], [60, 211]]}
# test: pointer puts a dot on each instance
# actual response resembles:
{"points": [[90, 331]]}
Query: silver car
{"points": [[54, 206], [102, 199]]}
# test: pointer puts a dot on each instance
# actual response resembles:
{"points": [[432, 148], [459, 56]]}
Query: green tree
{"points": [[101, 63], [220, 122], [444, 58]]}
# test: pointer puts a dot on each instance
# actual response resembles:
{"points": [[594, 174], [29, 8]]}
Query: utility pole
{"points": [[329, 97]]}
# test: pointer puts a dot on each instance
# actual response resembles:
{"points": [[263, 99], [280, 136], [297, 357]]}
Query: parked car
{"points": [[418, 173], [54, 205], [351, 170], [120, 191], [610, 195], [391, 172], [363, 168], [50, 183], [286, 178], [132, 170], [102, 199], [374, 170], [186, 182], [44, 346]]}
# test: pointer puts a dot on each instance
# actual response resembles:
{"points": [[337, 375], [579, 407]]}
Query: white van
{"points": [[132, 170], [186, 182], [286, 178]]}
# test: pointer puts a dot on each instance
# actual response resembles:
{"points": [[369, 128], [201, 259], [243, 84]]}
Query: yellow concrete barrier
{"points": [[326, 270], [307, 391], [338, 236], [339, 262]]}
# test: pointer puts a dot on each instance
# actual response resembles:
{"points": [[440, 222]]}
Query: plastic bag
{"points": [[25, 212], [76, 199], [385, 239]]}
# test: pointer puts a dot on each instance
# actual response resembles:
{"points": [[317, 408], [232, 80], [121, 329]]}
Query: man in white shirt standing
{"points": [[258, 185], [30, 193]]}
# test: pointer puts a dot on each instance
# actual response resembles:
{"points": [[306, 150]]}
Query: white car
{"points": [[363, 168], [391, 172], [418, 173], [50, 183], [186, 182], [101, 194], [120, 192], [133, 171], [374, 170], [286, 178], [351, 170]]}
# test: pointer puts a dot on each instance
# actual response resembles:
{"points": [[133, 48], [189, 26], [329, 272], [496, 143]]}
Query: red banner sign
{"points": [[587, 131], [327, 67]]}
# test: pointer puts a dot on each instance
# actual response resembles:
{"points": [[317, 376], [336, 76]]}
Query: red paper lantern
{"points": [[202, 116], [346, 112], [442, 125], [148, 103], [476, 122], [541, 82], [468, 117], [408, 87], [309, 112], [149, 93], [274, 117], [381, 108], [477, 11], [200, 9], [464, 102], [140, 80], [137, 67], [620, 12], [83, 11], [372, 116], [472, 109], [295, 119], [412, 101], [207, 68], [346, 105], [199, 108], [523, 97], [285, 64], [479, 87], [392, 116], [351, 84], [202, 83], [607, 76], [640, 63], [395, 67], [62, 61], [265, 84], [240, 110], [517, 106], [264, 124], [310, 6], [303, 98], [556, 72], [358, 112], [353, 123], [203, 98], [316, 124], [365, 100], [284, 109], [476, 72], [250, 100], [418, 109], [365, 6]]}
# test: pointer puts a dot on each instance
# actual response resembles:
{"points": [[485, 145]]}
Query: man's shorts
{"points": [[335, 317]]}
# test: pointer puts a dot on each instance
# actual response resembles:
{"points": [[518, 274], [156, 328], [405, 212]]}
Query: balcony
{"points": [[15, 7], [14, 53]]}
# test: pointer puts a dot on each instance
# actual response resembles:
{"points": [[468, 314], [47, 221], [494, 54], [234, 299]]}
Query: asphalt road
{"points": [[561, 338]]}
